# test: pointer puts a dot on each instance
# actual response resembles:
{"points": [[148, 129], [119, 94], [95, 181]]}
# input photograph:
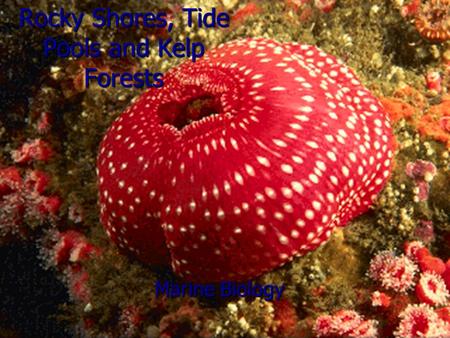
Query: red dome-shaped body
{"points": [[244, 159]]}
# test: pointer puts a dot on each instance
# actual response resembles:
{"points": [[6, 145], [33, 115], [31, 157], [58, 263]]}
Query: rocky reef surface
{"points": [[387, 273]]}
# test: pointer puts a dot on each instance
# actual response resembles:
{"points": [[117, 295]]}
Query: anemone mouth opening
{"points": [[180, 115], [420, 325]]}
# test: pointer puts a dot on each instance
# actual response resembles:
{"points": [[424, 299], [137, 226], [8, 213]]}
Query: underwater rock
{"points": [[243, 160]]}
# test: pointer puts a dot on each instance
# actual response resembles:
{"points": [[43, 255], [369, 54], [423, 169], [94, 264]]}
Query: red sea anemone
{"points": [[380, 299], [345, 323], [394, 272], [243, 160], [433, 20], [431, 289], [421, 321]]}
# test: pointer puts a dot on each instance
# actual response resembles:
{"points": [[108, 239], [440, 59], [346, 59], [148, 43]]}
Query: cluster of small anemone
{"points": [[424, 313]]}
